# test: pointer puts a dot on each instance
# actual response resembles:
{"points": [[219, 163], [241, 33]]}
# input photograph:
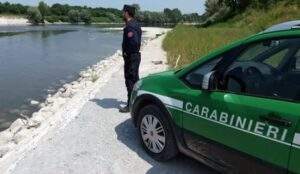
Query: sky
{"points": [[186, 6]]}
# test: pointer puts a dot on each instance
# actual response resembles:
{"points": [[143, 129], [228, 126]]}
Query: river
{"points": [[37, 60]]}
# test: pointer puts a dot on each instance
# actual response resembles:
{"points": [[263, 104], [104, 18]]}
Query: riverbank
{"points": [[179, 45], [13, 21], [61, 108]]}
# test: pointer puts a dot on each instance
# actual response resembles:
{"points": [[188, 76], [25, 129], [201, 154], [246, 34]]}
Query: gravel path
{"points": [[100, 140]]}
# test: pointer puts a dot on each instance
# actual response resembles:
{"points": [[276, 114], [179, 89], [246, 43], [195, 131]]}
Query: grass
{"points": [[190, 43]]}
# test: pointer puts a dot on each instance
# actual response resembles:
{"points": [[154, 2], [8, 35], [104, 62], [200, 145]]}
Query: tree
{"points": [[212, 7], [217, 11], [137, 11], [177, 16], [13, 8], [137, 7], [74, 16], [111, 16], [85, 16], [60, 10], [34, 16], [238, 5], [147, 17], [173, 16], [44, 9], [169, 15]]}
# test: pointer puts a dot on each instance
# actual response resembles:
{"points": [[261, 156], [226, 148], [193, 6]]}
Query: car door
{"points": [[248, 128], [293, 78]]}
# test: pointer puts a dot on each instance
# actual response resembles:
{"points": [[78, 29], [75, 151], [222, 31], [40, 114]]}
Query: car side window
{"points": [[252, 51], [297, 64], [276, 59], [195, 78], [262, 69]]}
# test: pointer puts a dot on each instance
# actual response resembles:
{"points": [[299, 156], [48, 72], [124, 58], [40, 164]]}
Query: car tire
{"points": [[157, 137]]}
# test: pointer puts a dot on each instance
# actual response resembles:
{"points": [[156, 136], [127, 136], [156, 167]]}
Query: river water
{"points": [[35, 61]]}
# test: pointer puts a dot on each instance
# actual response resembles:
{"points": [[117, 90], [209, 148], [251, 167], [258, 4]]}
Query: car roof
{"points": [[287, 29], [290, 25]]}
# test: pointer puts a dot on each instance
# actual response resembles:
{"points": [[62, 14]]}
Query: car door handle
{"points": [[276, 120]]}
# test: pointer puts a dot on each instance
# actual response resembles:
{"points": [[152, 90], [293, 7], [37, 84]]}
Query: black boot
{"points": [[124, 109]]}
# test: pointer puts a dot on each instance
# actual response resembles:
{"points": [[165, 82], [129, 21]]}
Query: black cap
{"points": [[130, 9]]}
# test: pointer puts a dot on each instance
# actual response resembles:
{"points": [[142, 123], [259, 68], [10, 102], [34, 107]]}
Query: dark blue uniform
{"points": [[131, 53]]}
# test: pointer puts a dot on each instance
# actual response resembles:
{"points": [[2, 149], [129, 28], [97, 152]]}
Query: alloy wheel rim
{"points": [[153, 134]]}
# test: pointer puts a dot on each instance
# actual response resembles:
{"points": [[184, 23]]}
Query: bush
{"points": [[74, 16], [85, 16], [100, 20], [34, 16], [52, 19], [64, 19]]}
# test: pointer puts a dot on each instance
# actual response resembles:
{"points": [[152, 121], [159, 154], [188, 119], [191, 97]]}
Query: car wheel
{"points": [[156, 134]]}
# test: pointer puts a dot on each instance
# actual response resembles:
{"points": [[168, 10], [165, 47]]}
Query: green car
{"points": [[236, 110]]}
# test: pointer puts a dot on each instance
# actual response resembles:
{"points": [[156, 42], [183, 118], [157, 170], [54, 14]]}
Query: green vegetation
{"points": [[34, 16], [62, 13], [16, 9], [85, 16], [44, 10], [77, 14], [222, 10], [191, 42], [74, 16]]}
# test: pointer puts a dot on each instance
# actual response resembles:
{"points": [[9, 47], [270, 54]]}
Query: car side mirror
{"points": [[208, 81]]}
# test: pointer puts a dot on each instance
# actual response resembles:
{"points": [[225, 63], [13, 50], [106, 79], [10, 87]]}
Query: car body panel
{"points": [[233, 120], [295, 152], [273, 152]]}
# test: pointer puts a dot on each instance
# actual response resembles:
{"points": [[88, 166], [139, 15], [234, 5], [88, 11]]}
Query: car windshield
{"points": [[276, 49]]}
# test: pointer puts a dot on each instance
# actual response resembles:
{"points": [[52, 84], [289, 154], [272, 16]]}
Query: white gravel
{"points": [[89, 135]]}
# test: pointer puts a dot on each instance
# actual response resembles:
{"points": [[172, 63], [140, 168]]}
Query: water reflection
{"points": [[7, 34], [43, 33], [48, 33]]}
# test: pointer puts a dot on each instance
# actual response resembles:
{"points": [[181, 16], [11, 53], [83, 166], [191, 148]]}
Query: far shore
{"points": [[13, 21]]}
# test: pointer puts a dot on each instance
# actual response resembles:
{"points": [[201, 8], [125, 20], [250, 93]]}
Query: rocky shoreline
{"points": [[27, 127]]}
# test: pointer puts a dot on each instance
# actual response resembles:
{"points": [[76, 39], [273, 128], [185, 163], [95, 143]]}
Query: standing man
{"points": [[131, 51]]}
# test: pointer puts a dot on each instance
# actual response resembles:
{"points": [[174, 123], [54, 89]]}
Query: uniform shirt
{"points": [[132, 37]]}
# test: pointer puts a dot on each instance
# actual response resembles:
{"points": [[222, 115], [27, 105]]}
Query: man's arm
{"points": [[132, 37]]}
